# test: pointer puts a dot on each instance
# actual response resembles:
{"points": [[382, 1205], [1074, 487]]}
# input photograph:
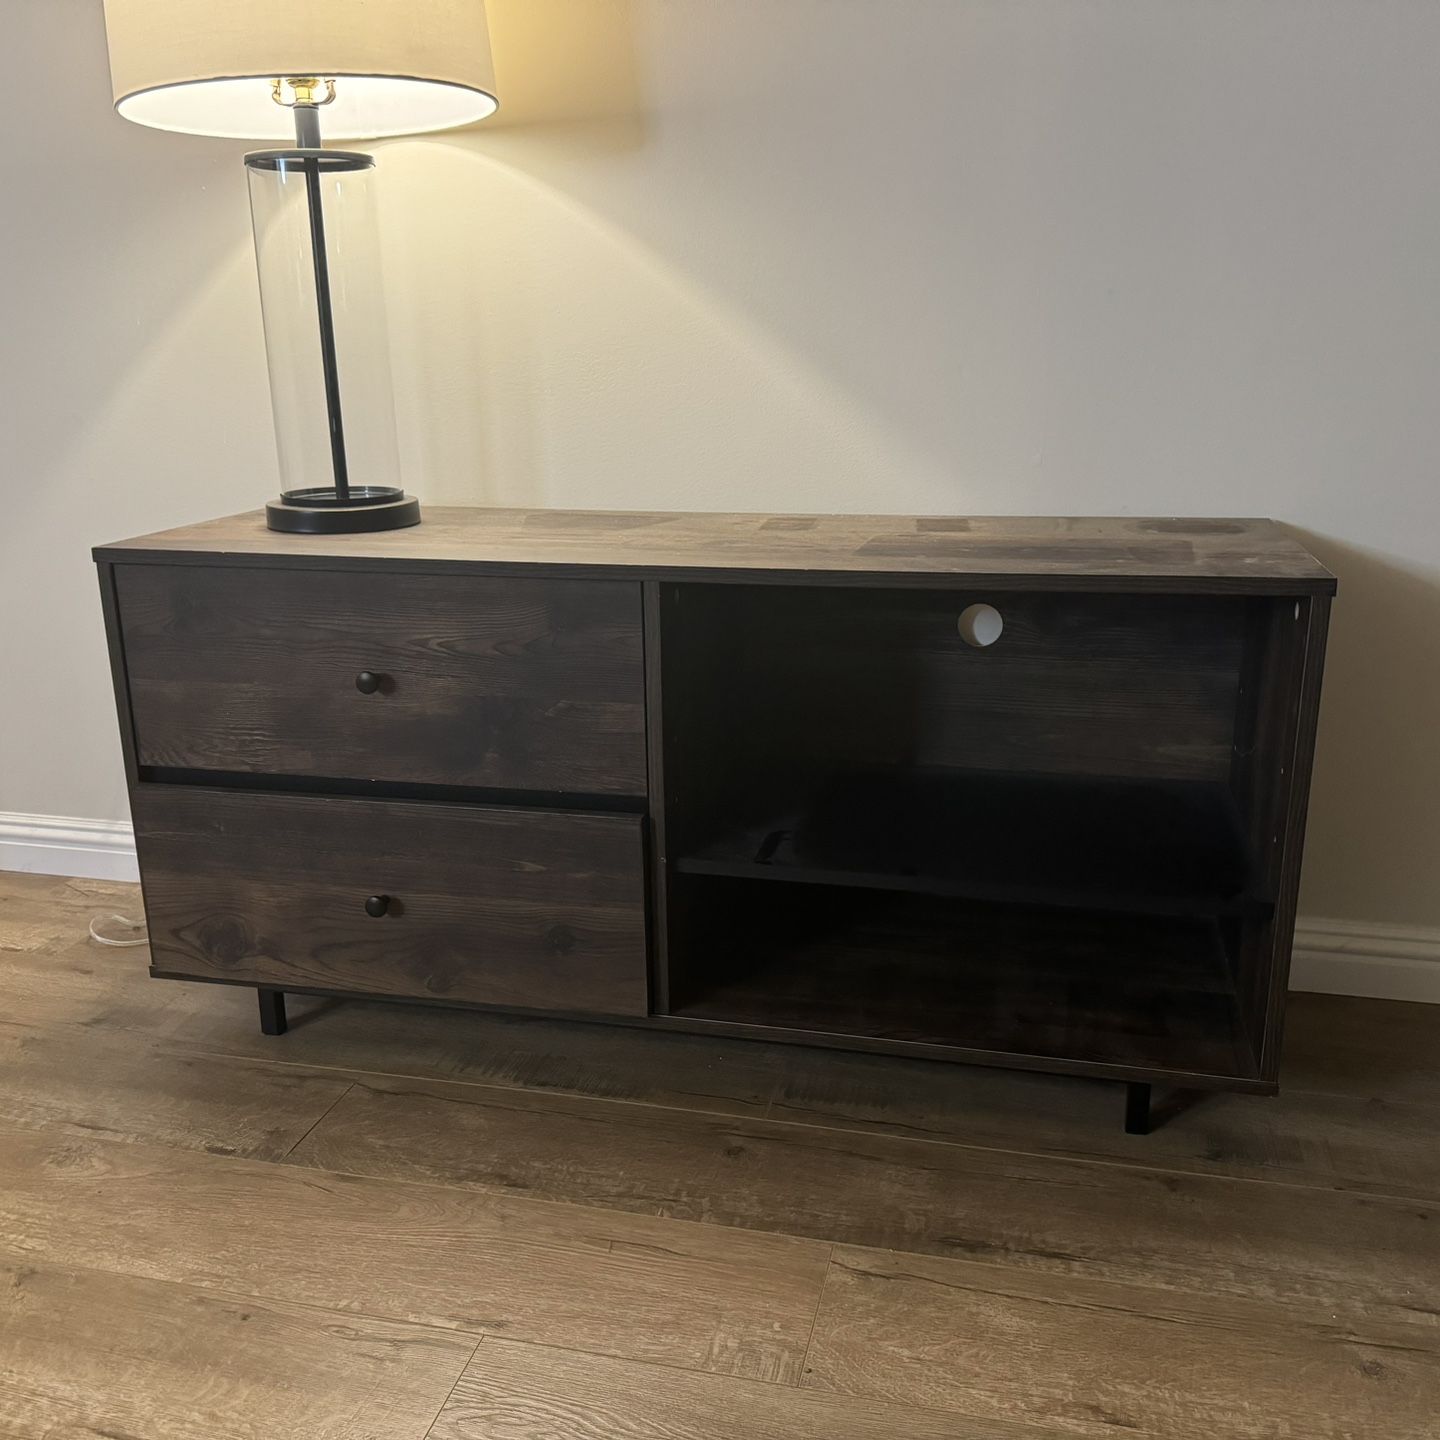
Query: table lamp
{"points": [[269, 70]]}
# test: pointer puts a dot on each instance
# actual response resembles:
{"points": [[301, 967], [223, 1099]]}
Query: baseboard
{"points": [[62, 845], [1333, 957], [1366, 957]]}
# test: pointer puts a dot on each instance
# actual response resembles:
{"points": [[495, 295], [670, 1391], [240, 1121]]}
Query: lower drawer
{"points": [[535, 909]]}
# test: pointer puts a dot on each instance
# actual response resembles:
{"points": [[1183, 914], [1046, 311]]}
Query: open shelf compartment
{"points": [[1057, 850], [1147, 993], [1058, 841]]}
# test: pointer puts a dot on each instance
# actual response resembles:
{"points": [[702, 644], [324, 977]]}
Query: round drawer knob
{"points": [[377, 905], [367, 682]]}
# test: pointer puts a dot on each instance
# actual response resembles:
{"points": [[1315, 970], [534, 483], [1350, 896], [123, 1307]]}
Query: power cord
{"points": [[123, 932]]}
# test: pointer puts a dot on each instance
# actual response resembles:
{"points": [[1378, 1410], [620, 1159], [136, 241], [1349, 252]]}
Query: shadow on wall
{"points": [[470, 427], [1046, 257], [552, 348], [565, 362], [137, 304], [1377, 771]]}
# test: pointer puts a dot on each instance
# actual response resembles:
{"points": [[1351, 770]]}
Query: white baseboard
{"points": [[62, 845], [1333, 957], [1366, 957]]}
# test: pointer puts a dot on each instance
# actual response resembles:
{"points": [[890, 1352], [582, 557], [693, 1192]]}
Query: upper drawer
{"points": [[489, 682]]}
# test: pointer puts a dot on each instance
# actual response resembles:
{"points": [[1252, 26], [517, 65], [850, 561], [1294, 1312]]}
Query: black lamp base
{"points": [[321, 511]]}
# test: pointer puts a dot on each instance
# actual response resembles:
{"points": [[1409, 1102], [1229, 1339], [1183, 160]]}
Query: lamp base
{"points": [[321, 511]]}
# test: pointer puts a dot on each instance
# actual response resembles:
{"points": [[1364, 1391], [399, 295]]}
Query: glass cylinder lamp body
{"points": [[317, 247]]}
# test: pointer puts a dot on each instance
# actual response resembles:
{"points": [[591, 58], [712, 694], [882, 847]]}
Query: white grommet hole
{"points": [[980, 625]]}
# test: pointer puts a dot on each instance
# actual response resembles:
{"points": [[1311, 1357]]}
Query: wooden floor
{"points": [[396, 1222]]}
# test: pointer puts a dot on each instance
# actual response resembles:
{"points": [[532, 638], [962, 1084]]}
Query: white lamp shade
{"points": [[205, 67]]}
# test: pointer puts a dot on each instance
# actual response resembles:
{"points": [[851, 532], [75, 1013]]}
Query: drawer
{"points": [[536, 909], [497, 683]]}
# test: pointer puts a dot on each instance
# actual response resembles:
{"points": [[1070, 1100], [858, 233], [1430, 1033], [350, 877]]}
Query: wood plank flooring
{"points": [[979, 1340], [92, 1353], [1364, 1255], [395, 1222]]}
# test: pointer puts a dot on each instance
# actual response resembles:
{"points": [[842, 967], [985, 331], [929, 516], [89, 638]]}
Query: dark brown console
{"points": [[1021, 792]]}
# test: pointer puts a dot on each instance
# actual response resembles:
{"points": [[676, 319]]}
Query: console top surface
{"points": [[1241, 556]]}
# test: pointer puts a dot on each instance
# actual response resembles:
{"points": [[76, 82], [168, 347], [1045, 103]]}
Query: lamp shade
{"points": [[205, 67]]}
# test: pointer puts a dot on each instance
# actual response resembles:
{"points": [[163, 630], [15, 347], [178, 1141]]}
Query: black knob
{"points": [[367, 682], [377, 905]]}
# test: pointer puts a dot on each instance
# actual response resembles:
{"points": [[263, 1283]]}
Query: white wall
{"points": [[1106, 256]]}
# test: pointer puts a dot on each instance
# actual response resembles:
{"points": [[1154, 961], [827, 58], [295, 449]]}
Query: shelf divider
{"points": [[1057, 842]]}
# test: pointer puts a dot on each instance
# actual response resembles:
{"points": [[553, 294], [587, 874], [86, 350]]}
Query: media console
{"points": [[1021, 792]]}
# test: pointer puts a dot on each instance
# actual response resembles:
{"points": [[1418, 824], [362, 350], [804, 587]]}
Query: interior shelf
{"points": [[1160, 848], [1143, 992]]}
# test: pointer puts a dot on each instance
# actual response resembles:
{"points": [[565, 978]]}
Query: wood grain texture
{"points": [[1086, 1315], [520, 672], [690, 1295], [511, 1051], [1131, 997], [856, 730], [1312, 617], [1381, 1051], [993, 1343], [51, 972], [526, 684], [1380, 1143], [658, 846], [1370, 1145], [119, 678], [1367, 1256], [531, 908], [817, 681], [43, 913], [1357, 1111], [65, 1081], [525, 1392], [89, 1354], [1241, 556]]}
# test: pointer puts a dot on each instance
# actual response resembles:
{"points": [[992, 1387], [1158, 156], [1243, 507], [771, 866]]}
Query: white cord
{"points": [[126, 924]]}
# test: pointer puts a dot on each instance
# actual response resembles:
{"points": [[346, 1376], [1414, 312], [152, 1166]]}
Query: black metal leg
{"points": [[272, 1012], [1137, 1108]]}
